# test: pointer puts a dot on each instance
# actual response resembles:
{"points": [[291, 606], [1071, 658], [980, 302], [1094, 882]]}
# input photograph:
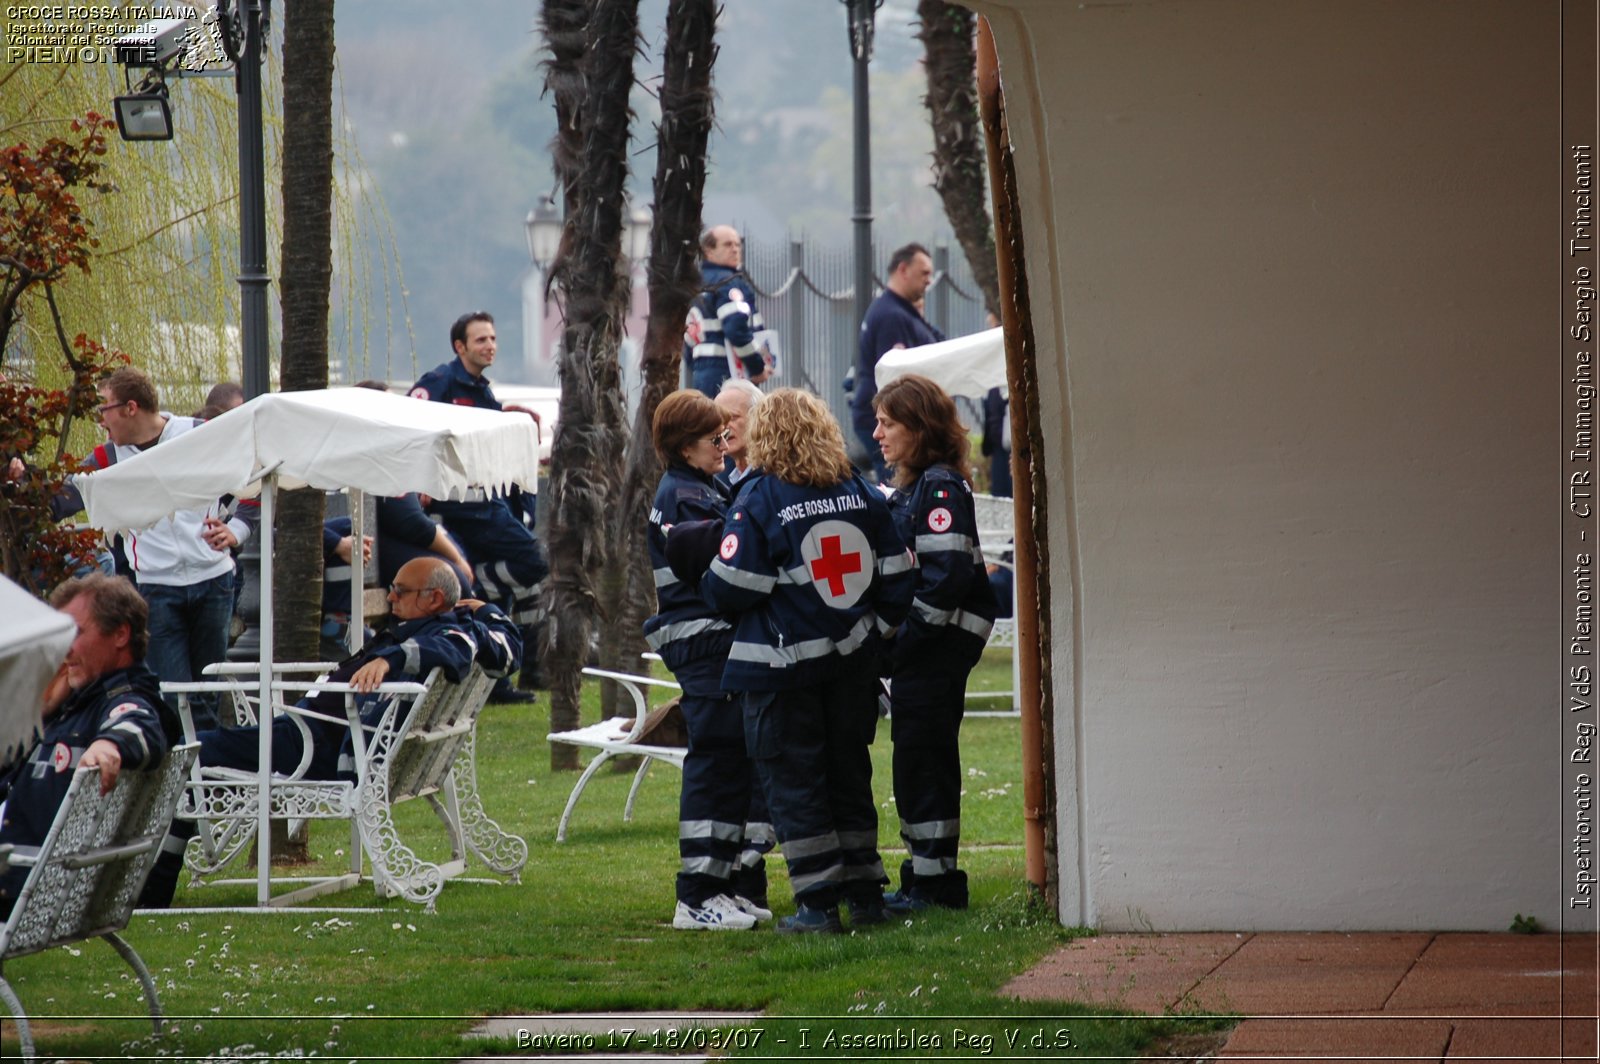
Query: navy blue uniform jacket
{"points": [[890, 320], [449, 382], [685, 627], [813, 575], [954, 607], [125, 707], [729, 319]]}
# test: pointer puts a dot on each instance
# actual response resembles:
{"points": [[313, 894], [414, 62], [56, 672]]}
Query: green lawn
{"points": [[587, 929]]}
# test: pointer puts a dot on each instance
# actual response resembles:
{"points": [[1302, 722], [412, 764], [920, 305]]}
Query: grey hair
{"points": [[443, 578], [752, 394]]}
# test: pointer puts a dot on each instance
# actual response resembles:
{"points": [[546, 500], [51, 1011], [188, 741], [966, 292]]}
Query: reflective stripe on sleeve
{"points": [[741, 578]]}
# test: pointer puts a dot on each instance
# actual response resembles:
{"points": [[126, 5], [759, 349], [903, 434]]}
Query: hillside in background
{"points": [[445, 106]]}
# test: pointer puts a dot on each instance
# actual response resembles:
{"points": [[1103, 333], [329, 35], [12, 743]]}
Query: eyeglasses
{"points": [[101, 411], [720, 439], [399, 591]]}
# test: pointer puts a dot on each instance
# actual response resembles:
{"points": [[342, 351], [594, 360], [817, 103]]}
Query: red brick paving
{"points": [[1272, 975], [1136, 973], [1356, 997], [1352, 1037]]}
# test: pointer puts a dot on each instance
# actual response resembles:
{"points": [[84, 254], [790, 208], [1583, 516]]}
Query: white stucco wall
{"points": [[1294, 271]]}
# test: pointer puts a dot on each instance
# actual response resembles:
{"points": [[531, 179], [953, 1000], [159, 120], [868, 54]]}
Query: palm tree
{"points": [[958, 155], [306, 278], [686, 98], [586, 455], [307, 274]]}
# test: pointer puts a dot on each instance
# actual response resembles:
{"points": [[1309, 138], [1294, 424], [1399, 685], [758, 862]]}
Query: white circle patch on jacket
{"points": [[840, 561]]}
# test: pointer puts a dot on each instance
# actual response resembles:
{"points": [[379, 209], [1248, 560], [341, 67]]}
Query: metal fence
{"points": [[807, 293]]}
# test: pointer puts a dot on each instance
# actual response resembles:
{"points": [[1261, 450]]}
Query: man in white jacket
{"points": [[183, 564]]}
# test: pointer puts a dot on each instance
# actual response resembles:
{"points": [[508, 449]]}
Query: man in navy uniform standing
{"points": [[506, 559], [723, 320], [892, 321]]}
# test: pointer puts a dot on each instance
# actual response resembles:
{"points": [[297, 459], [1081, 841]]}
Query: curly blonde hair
{"points": [[795, 438]]}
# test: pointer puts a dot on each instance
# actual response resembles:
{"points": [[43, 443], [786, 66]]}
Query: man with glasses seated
{"points": [[435, 628]]}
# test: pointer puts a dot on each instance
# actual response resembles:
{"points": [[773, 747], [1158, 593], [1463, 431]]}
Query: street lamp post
{"points": [[252, 204], [862, 15]]}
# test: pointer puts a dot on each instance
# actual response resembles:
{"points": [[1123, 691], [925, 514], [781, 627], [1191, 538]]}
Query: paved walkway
{"points": [[1336, 997]]}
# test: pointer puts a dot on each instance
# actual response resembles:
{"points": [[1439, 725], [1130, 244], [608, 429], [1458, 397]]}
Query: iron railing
{"points": [[807, 293]]}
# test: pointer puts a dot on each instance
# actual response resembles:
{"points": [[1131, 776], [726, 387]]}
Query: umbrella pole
{"points": [[264, 715], [358, 572]]}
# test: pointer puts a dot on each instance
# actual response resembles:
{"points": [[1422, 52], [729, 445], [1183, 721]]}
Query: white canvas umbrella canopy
{"points": [[354, 438], [338, 438], [33, 641], [967, 365]]}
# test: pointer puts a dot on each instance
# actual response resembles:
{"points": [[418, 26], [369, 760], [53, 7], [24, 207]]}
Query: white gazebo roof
{"points": [[33, 641], [337, 438]]}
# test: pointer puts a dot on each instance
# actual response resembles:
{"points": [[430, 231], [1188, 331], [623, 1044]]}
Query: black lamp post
{"points": [[250, 23], [862, 15]]}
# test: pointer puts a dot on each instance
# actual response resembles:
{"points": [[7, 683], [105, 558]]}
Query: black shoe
{"points": [[902, 902], [812, 922], [867, 912], [510, 696]]}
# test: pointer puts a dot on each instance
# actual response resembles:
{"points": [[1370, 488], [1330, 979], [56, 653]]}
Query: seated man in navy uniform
{"points": [[435, 628], [506, 558], [103, 709]]}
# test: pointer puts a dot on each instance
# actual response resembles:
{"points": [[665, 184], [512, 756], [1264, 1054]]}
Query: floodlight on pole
{"points": [[144, 115]]}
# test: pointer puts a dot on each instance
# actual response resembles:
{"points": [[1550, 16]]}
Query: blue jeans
{"points": [[188, 631]]}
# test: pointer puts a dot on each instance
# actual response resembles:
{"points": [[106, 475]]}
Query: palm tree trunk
{"points": [[687, 106], [959, 165], [307, 278], [586, 454]]}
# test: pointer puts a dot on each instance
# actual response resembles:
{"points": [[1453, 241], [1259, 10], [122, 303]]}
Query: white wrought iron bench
{"points": [[997, 521], [423, 746], [618, 737], [87, 873]]}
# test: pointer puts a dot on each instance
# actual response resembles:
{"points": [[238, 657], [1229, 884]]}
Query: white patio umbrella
{"points": [[33, 641], [967, 365], [351, 438]]}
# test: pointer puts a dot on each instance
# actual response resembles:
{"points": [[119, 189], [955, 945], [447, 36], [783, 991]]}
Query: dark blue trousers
{"points": [[508, 565], [811, 747], [506, 558], [927, 703], [723, 829]]}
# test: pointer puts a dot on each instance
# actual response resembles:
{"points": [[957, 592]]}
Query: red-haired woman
{"points": [[722, 876]]}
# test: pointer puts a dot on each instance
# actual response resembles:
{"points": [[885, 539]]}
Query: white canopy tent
{"points": [[348, 438], [33, 641], [967, 365]]}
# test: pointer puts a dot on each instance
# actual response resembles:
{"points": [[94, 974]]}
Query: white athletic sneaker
{"points": [[717, 914], [745, 905]]}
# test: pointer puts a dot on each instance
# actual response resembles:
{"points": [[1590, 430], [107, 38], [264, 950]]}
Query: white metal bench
{"points": [[618, 737], [423, 746], [997, 520], [87, 873]]}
